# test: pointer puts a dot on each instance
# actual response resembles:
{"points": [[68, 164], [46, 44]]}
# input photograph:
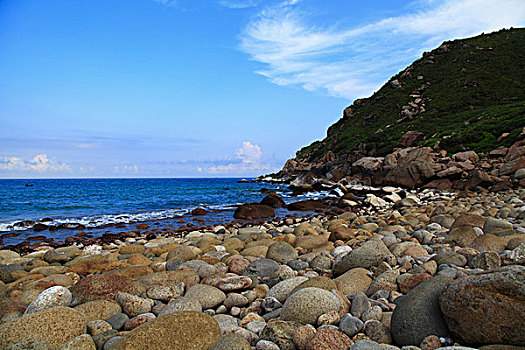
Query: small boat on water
{"points": [[29, 185]]}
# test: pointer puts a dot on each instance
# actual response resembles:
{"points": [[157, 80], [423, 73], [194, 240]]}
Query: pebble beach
{"points": [[430, 270]]}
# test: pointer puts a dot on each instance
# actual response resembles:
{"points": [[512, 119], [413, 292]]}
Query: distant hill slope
{"points": [[463, 95]]}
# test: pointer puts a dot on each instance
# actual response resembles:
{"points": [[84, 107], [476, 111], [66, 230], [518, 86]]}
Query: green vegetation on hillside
{"points": [[464, 95]]}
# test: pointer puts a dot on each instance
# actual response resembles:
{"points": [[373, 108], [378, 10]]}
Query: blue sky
{"points": [[211, 88]]}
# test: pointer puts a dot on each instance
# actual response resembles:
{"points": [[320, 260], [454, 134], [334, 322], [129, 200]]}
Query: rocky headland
{"points": [[454, 120]]}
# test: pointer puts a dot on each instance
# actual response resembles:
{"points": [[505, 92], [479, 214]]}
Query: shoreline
{"points": [[345, 278]]}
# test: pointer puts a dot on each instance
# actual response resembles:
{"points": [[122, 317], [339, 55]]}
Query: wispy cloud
{"points": [[353, 62], [167, 2], [126, 169], [39, 163], [239, 4], [249, 160]]}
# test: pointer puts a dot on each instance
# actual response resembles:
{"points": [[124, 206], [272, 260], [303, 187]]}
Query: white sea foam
{"points": [[101, 220]]}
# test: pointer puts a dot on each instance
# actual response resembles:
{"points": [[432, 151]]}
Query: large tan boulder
{"points": [[353, 281], [188, 330], [56, 326]]}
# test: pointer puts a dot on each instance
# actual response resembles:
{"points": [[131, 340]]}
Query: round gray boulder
{"points": [[208, 296], [417, 314], [306, 305]]}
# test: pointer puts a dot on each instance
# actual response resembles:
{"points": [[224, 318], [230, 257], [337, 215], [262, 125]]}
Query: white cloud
{"points": [[39, 163], [250, 161], [239, 4], [167, 2], [126, 169], [353, 62]]}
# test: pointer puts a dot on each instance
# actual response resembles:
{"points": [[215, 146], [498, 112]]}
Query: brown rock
{"points": [[378, 332], [467, 155], [84, 265], [183, 252], [237, 264], [489, 242], [273, 200], [410, 138], [133, 271], [95, 287], [414, 166], [353, 281], [440, 184], [281, 333], [407, 281], [487, 308], [253, 211], [322, 282], [187, 276], [329, 339], [303, 336], [430, 343], [510, 167], [461, 236], [98, 310], [465, 219], [56, 326], [198, 212], [307, 205], [311, 242], [188, 330], [132, 249]]}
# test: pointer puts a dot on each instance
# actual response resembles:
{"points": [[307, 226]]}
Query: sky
{"points": [[208, 88]]}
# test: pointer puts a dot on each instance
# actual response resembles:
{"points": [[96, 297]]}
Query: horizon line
{"points": [[129, 178]]}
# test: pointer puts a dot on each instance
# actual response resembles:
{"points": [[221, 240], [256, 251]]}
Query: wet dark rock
{"points": [[417, 314], [253, 211]]}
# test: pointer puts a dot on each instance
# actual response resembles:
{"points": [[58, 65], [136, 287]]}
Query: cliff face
{"points": [[465, 95]]}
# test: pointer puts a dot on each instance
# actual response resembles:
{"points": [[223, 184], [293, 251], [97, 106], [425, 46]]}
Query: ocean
{"points": [[99, 204]]}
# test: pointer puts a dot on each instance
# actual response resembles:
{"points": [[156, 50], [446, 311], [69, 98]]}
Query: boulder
{"points": [[353, 281], [208, 296], [307, 205], [461, 236], [82, 342], [183, 252], [329, 339], [261, 269], [253, 211], [51, 297], [56, 326], [487, 308], [282, 290], [472, 220], [417, 314], [98, 310], [96, 287], [311, 242], [281, 333], [414, 166], [370, 254], [183, 330], [232, 341], [281, 252], [410, 138], [273, 200], [187, 276], [306, 305]]}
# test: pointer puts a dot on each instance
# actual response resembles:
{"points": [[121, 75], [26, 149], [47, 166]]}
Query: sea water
{"points": [[99, 202]]}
